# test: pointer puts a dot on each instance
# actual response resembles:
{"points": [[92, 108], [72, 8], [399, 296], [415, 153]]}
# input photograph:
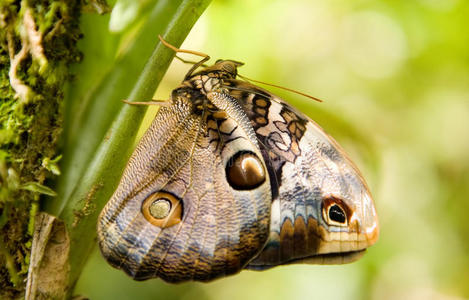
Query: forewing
{"points": [[308, 170]]}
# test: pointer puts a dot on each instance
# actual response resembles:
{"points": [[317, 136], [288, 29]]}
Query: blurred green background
{"points": [[394, 77]]}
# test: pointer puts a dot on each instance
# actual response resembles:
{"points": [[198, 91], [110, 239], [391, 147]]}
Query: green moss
{"points": [[30, 121]]}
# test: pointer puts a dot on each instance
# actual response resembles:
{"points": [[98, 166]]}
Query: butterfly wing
{"points": [[322, 210], [189, 162]]}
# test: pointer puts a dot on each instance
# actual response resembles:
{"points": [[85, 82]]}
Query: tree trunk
{"points": [[37, 44]]}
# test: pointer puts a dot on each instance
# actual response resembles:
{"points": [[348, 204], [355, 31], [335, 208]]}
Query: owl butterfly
{"points": [[230, 177]]}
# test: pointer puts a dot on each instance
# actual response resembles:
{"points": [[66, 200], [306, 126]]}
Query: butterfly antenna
{"points": [[281, 87], [164, 103]]}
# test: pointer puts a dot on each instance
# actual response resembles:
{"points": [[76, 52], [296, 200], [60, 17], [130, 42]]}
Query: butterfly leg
{"points": [[177, 50], [190, 61]]}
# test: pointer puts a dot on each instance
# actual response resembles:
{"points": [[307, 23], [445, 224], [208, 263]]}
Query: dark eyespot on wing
{"points": [[245, 171]]}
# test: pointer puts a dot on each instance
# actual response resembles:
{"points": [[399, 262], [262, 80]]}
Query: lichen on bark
{"points": [[37, 44]]}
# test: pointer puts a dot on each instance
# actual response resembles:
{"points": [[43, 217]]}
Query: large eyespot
{"points": [[245, 171], [335, 212], [162, 209]]}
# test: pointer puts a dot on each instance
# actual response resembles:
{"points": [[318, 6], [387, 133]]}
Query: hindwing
{"points": [[186, 154]]}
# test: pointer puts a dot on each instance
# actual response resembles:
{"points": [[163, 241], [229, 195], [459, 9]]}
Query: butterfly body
{"points": [[227, 177]]}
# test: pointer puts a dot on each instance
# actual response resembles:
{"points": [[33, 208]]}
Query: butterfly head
{"points": [[226, 68], [228, 65]]}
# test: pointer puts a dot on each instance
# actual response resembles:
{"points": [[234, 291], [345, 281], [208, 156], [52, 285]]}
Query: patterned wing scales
{"points": [[313, 183], [183, 159]]}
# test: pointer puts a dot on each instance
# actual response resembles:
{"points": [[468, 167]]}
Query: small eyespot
{"points": [[245, 171], [335, 212], [162, 209]]}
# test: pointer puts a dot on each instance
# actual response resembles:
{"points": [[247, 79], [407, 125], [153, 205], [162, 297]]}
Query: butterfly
{"points": [[230, 177]]}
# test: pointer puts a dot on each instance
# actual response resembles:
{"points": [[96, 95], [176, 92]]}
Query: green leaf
{"points": [[38, 188]]}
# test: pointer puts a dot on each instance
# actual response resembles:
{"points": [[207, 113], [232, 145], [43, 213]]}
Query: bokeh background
{"points": [[394, 77]]}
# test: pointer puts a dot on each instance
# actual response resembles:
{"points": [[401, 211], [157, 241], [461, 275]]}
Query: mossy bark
{"points": [[37, 44]]}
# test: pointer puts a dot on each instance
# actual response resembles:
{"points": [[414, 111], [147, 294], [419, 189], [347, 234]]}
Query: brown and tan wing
{"points": [[194, 200], [322, 210]]}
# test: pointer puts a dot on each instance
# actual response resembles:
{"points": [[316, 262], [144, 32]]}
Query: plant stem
{"points": [[99, 177]]}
